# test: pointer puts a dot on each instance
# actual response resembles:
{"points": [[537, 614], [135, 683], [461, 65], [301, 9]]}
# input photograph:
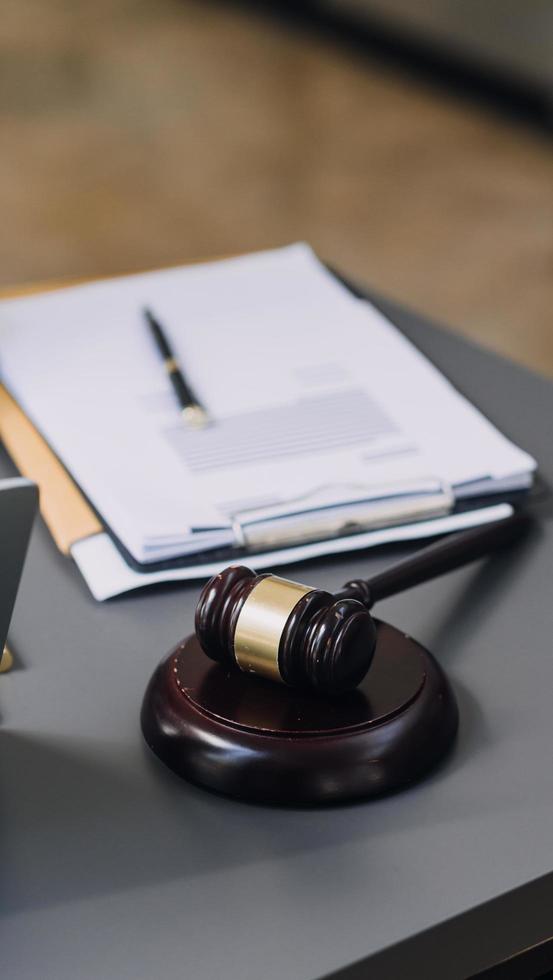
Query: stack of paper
{"points": [[327, 422]]}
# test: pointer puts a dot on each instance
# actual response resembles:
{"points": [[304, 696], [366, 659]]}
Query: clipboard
{"points": [[75, 525]]}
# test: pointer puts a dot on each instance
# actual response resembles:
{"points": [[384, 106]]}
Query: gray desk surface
{"points": [[111, 868]]}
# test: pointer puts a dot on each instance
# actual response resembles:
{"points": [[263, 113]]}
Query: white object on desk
{"points": [[309, 387], [107, 574]]}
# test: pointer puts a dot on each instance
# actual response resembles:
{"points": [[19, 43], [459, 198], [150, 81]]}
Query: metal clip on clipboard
{"points": [[261, 530]]}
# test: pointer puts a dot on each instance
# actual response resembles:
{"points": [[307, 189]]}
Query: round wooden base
{"points": [[256, 740]]}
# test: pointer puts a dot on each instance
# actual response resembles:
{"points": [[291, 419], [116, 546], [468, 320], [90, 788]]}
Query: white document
{"points": [[317, 401], [108, 575]]}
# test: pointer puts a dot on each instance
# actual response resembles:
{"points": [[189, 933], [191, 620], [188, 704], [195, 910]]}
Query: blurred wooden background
{"points": [[137, 133]]}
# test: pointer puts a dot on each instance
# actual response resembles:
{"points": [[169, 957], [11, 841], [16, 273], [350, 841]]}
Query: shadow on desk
{"points": [[88, 825]]}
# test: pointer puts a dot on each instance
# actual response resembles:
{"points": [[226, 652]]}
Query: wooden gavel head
{"points": [[309, 638], [284, 631]]}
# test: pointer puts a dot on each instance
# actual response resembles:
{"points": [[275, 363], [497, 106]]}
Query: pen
{"points": [[192, 412]]}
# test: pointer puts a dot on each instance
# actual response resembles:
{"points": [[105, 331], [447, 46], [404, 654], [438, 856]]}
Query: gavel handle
{"points": [[448, 553]]}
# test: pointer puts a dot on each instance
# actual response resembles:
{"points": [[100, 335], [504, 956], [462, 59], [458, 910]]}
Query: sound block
{"points": [[256, 740]]}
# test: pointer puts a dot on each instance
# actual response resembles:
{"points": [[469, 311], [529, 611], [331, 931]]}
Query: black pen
{"points": [[192, 412]]}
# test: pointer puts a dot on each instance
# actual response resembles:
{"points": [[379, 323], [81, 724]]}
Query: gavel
{"points": [[309, 638]]}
